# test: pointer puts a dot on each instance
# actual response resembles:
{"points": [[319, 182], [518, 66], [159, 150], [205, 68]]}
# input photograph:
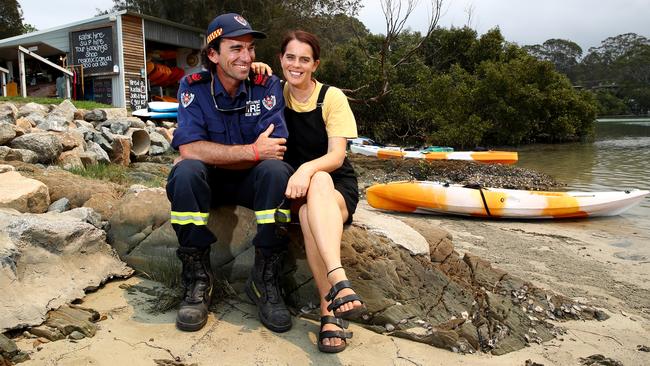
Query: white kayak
{"points": [[162, 107], [435, 197], [390, 152]]}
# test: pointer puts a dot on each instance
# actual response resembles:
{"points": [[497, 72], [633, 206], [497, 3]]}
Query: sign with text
{"points": [[93, 48], [137, 94]]}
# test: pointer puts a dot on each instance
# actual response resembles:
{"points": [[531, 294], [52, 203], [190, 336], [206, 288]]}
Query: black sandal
{"points": [[342, 334], [335, 303]]}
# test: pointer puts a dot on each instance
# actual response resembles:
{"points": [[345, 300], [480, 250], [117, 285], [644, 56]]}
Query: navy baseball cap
{"points": [[230, 25]]}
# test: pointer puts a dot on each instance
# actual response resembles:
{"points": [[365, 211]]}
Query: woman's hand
{"points": [[298, 184], [261, 68]]}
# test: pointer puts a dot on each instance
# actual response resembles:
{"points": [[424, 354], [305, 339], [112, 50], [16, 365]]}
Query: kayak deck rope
{"points": [[480, 189]]}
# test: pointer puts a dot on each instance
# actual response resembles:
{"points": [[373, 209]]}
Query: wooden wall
{"points": [[133, 43]]}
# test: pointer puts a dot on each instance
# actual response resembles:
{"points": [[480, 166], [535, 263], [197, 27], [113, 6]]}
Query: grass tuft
{"points": [[80, 104]]}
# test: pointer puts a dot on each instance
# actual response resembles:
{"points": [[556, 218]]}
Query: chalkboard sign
{"points": [[137, 94], [103, 91], [93, 48]]}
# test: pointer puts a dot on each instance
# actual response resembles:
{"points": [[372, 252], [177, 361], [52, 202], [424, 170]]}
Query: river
{"points": [[618, 159]]}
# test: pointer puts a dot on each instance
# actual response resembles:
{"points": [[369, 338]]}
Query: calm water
{"points": [[619, 159]]}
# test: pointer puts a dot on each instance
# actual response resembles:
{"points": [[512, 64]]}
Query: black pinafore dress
{"points": [[308, 141]]}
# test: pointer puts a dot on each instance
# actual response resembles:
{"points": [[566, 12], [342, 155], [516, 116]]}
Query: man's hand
{"points": [[270, 148]]}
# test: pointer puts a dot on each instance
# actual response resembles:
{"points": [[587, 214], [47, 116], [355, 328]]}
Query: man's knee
{"points": [[274, 169], [186, 172]]}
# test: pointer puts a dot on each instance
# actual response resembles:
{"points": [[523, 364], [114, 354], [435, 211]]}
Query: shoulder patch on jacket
{"points": [[199, 77]]}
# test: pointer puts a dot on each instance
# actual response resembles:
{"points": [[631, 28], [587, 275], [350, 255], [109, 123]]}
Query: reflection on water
{"points": [[619, 159]]}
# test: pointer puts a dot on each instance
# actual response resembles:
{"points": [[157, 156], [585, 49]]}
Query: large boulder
{"points": [[7, 132], [48, 260], [23, 194], [414, 283], [31, 108], [78, 190], [60, 117], [46, 146], [8, 113]]}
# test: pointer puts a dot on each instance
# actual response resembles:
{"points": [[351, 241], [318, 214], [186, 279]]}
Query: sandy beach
{"points": [[574, 258]]}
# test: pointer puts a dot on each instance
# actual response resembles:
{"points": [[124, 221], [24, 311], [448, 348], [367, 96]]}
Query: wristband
{"points": [[257, 153]]}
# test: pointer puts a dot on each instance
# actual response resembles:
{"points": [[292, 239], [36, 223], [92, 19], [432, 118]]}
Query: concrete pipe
{"points": [[140, 141]]}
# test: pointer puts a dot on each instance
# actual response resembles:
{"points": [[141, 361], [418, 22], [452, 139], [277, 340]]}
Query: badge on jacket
{"points": [[268, 102], [186, 98]]}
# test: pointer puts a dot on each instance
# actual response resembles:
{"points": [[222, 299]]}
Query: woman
{"points": [[320, 120]]}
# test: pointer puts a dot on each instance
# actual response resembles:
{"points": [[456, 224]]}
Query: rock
{"points": [[76, 335], [60, 118], [71, 139], [112, 113], [642, 348], [599, 360], [7, 132], [118, 126], [103, 203], [6, 168], [73, 319], [102, 156], [159, 144], [23, 194], [86, 214], [76, 188], [24, 124], [9, 353], [51, 259], [600, 315], [46, 332], [166, 133], [88, 158], [134, 213], [31, 108], [121, 150], [103, 142], [60, 205], [70, 159], [8, 113], [136, 122], [96, 115], [46, 146], [26, 156], [400, 233], [80, 123]]}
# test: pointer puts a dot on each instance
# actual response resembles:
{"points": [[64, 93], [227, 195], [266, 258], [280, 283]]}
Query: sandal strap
{"points": [[342, 334], [336, 288], [328, 319], [337, 303]]}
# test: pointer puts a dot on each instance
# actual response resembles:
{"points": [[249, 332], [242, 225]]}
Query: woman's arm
{"points": [[299, 182]]}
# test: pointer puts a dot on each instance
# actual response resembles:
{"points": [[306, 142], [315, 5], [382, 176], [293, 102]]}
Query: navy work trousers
{"points": [[194, 187]]}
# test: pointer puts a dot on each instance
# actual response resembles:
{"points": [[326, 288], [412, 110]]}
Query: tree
{"points": [[564, 54], [391, 55], [11, 19]]}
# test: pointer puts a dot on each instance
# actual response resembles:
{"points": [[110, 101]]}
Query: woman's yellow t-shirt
{"points": [[338, 117]]}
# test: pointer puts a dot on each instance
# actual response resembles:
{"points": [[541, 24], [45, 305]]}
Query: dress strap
{"points": [[321, 95]]}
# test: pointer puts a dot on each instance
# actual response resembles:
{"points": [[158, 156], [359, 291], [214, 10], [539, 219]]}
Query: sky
{"points": [[586, 22]]}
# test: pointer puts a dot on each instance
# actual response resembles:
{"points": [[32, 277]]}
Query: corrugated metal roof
{"points": [[58, 36]]}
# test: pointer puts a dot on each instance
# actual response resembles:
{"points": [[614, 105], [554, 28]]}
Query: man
{"points": [[231, 137]]}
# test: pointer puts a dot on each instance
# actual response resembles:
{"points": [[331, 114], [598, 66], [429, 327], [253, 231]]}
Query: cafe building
{"points": [[124, 59]]}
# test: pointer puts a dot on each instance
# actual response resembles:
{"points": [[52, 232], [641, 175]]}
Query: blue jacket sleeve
{"points": [[191, 124], [275, 114]]}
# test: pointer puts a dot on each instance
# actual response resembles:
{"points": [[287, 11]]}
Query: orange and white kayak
{"points": [[388, 152], [434, 197]]}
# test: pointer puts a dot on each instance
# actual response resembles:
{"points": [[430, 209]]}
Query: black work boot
{"points": [[197, 288], [263, 288]]}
